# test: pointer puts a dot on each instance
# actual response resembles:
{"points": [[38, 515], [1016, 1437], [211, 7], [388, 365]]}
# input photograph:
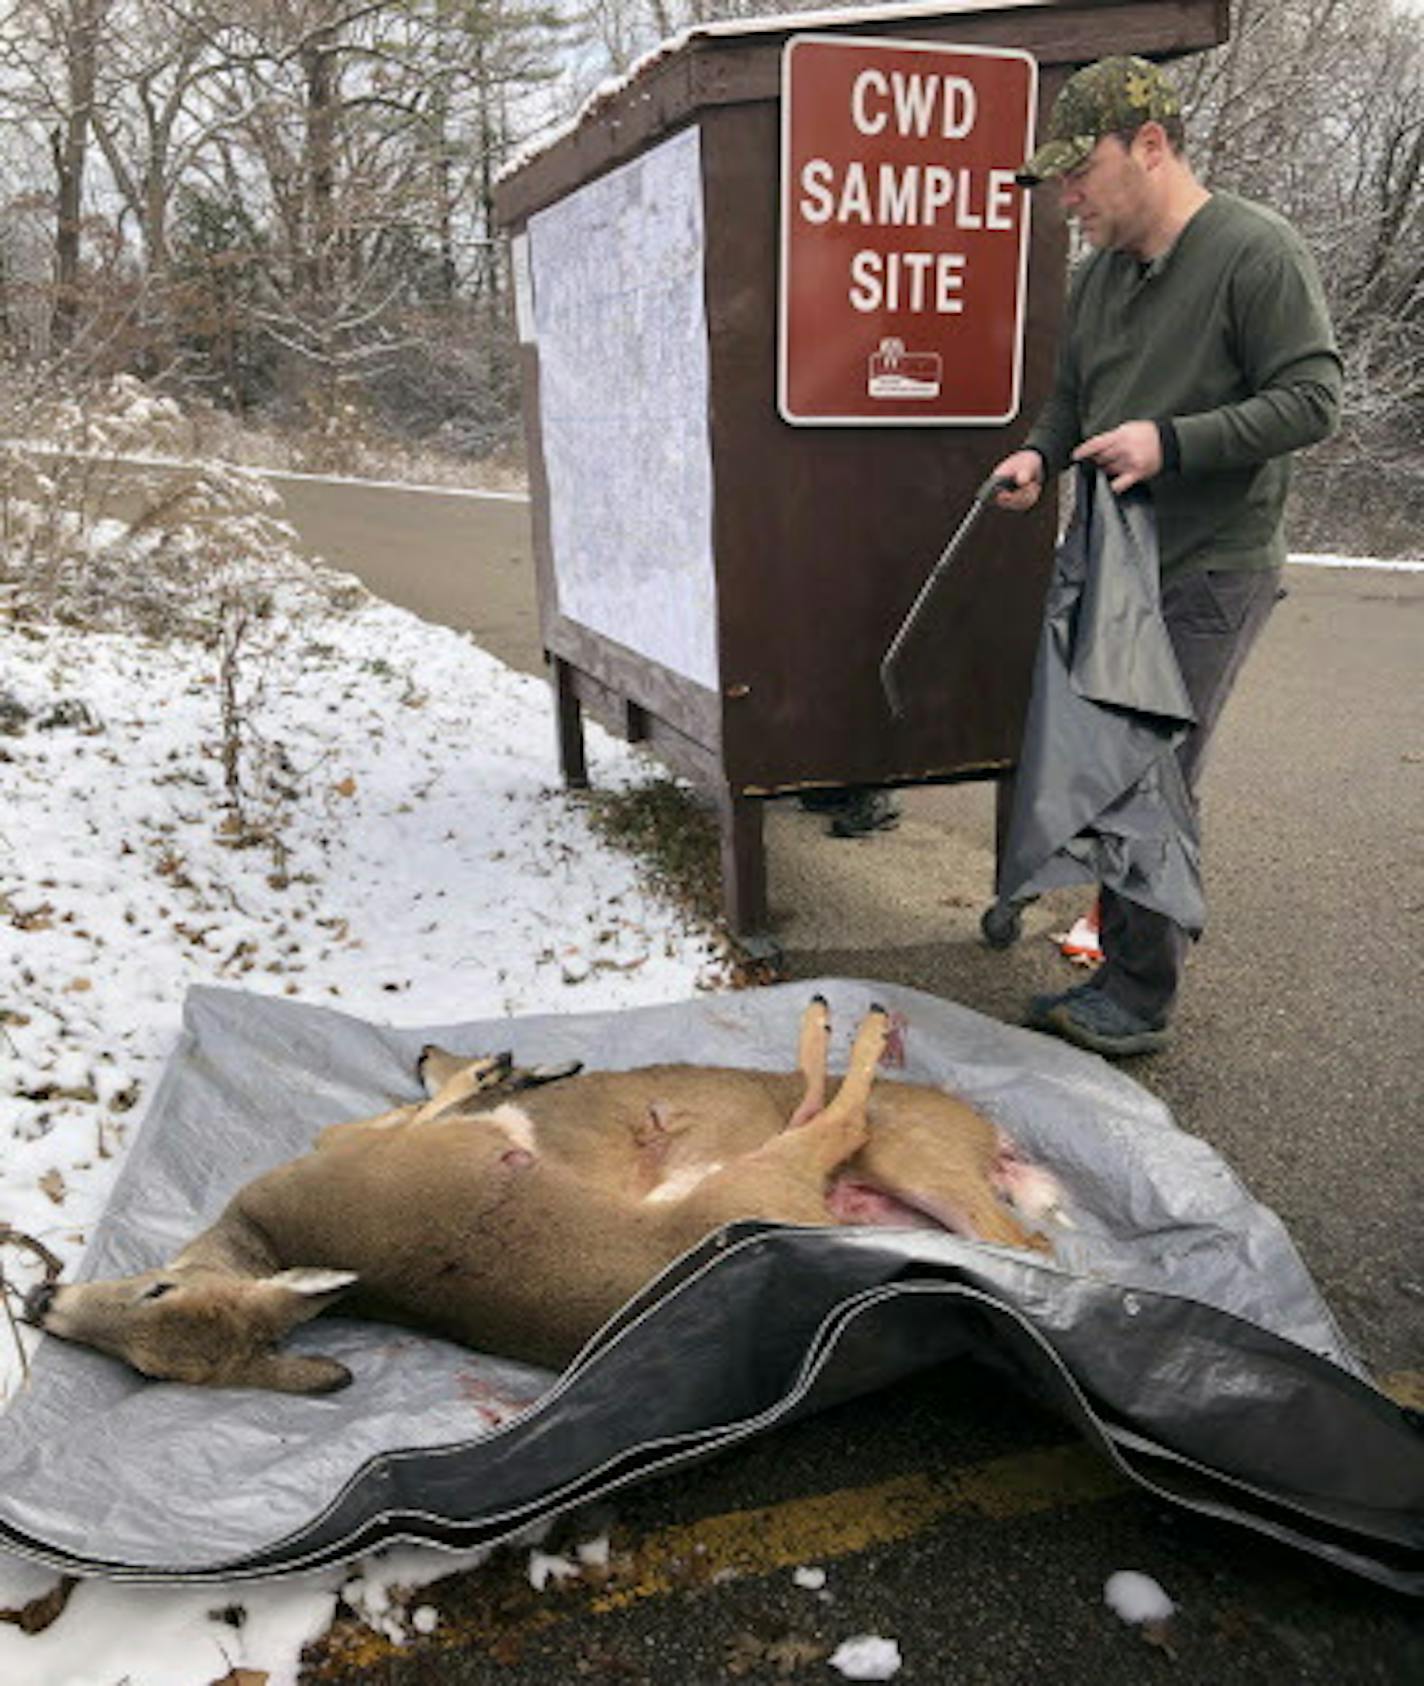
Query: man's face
{"points": [[1107, 195]]}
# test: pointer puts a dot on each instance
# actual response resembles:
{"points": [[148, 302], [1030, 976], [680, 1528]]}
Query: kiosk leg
{"points": [[635, 722], [743, 863], [1003, 812], [573, 762], [1001, 923]]}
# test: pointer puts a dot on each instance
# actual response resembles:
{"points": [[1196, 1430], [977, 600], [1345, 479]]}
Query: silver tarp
{"points": [[1177, 1327], [1099, 796]]}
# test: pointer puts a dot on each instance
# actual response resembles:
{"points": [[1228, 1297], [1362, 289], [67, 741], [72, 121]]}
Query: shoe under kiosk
{"points": [[781, 310]]}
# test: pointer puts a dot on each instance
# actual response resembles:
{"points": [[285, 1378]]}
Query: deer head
{"points": [[200, 1326]]}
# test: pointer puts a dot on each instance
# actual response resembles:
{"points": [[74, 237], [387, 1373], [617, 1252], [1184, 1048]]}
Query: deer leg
{"points": [[811, 1059], [947, 1167], [335, 1134], [466, 1081], [840, 1128], [437, 1066], [449, 1084], [866, 1051], [786, 1178]]}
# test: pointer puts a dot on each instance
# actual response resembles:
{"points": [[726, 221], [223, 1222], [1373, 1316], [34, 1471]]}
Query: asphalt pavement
{"points": [[958, 1519]]}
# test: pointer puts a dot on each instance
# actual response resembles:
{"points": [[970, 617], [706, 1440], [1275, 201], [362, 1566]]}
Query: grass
{"points": [[665, 826]]}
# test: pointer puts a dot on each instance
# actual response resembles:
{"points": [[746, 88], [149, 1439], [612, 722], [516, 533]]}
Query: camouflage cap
{"points": [[1113, 96]]}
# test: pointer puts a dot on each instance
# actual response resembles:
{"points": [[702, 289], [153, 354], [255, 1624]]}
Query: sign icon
{"points": [[902, 229], [897, 373]]}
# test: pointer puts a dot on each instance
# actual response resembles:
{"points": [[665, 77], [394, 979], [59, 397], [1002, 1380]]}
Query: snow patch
{"points": [[1136, 1598], [867, 1657]]}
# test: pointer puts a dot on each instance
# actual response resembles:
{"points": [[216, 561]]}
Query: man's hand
{"points": [[1025, 469], [1127, 455]]}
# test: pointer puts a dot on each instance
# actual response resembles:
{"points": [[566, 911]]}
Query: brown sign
{"points": [[904, 235]]}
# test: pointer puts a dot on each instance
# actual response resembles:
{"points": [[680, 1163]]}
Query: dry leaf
{"points": [[44, 1611], [52, 1184], [347, 787], [744, 1653], [1159, 1635], [244, 1677], [80, 986], [788, 1655]]}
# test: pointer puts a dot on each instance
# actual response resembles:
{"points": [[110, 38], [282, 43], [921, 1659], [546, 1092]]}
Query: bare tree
{"points": [[288, 202], [50, 52]]}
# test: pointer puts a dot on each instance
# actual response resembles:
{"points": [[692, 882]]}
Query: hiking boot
{"points": [[1091, 1019], [864, 812], [1040, 1006]]}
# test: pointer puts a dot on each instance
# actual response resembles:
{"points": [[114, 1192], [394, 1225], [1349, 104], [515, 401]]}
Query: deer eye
{"points": [[157, 1291]]}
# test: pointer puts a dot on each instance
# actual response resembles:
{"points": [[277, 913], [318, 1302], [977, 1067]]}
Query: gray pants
{"points": [[1213, 618]]}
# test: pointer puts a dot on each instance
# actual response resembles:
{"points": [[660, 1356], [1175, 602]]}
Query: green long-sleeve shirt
{"points": [[1226, 336]]}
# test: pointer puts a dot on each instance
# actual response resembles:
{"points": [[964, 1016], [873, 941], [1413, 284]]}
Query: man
{"points": [[1197, 355]]}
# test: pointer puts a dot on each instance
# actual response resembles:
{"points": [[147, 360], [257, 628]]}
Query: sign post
{"points": [[904, 237]]}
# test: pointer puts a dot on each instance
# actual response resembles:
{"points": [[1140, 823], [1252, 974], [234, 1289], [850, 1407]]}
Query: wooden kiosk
{"points": [[723, 551]]}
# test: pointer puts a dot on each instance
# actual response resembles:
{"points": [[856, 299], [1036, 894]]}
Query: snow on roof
{"points": [[776, 23]]}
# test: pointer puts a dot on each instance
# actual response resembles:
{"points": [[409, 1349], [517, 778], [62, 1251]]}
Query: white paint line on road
{"points": [[392, 485], [149, 461], [1308, 561]]}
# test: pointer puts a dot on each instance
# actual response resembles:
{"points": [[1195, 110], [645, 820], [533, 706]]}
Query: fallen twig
{"points": [[53, 1267], [53, 1264]]}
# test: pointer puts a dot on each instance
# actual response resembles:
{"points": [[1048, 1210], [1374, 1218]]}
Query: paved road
{"points": [[965, 1524], [457, 557]]}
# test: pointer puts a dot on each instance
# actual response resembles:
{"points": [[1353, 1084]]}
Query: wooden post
{"points": [[573, 761], [743, 862]]}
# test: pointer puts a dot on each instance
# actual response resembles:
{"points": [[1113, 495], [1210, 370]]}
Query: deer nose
{"points": [[36, 1303]]}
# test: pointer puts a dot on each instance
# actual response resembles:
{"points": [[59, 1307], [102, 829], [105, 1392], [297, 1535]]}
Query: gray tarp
{"points": [[1099, 796], [1178, 1328]]}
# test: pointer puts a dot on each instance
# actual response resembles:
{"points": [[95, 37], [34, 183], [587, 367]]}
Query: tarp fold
{"points": [[1099, 796]]}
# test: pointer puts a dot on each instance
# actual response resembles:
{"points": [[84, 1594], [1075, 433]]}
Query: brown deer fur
{"points": [[518, 1221]]}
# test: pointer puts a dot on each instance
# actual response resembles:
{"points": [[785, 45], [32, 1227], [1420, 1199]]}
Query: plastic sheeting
{"points": [[1177, 1327], [1099, 796]]}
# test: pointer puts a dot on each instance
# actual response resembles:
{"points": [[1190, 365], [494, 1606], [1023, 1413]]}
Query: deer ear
{"points": [[296, 1296], [293, 1372], [292, 1297], [311, 1280]]}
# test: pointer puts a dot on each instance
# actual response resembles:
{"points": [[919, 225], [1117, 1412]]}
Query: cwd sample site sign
{"points": [[904, 237]]}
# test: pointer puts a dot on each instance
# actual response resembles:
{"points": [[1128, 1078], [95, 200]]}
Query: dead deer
{"points": [[518, 1219]]}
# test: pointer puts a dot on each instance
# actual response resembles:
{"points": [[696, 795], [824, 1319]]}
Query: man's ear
{"points": [[1150, 144]]}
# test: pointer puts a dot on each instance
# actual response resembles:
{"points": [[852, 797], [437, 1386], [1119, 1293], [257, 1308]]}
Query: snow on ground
{"points": [[867, 1657], [1136, 1597], [434, 870]]}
